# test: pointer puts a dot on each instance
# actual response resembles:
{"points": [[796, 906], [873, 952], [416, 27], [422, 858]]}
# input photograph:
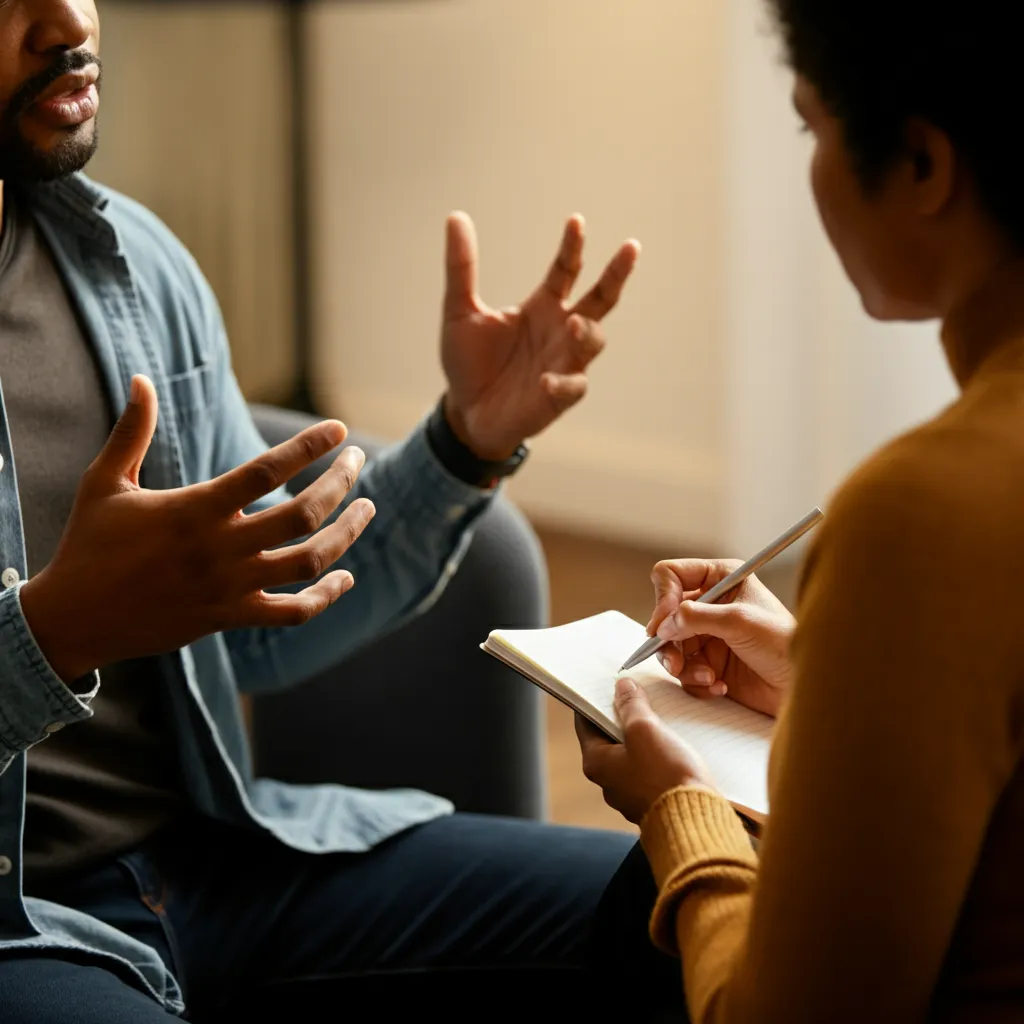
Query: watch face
{"points": [[498, 471], [512, 464]]}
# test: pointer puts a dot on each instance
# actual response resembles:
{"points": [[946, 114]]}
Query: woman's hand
{"points": [[651, 761], [739, 646]]}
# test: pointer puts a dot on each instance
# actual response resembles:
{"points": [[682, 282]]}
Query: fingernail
{"points": [[625, 688], [357, 454], [136, 391], [661, 660], [668, 629], [719, 690], [704, 676]]}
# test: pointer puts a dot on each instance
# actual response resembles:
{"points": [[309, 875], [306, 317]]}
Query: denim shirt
{"points": [[146, 308]]}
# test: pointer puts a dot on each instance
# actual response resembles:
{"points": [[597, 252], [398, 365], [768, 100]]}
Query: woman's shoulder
{"points": [[923, 548], [939, 489]]}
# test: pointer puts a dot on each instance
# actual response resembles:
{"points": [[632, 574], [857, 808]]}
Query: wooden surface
{"points": [[587, 577]]}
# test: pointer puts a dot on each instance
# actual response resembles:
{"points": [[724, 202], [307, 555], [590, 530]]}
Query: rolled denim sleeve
{"points": [[34, 702]]}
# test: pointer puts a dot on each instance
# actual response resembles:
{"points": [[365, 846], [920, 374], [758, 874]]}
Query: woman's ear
{"points": [[934, 165]]}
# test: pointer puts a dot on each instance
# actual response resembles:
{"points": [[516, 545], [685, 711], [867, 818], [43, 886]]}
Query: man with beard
{"points": [[154, 567]]}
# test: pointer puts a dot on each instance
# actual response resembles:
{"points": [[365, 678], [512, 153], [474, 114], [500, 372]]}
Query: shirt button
{"points": [[54, 727], [10, 578], [6, 867]]}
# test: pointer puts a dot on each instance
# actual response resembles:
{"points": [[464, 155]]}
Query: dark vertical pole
{"points": [[302, 397]]}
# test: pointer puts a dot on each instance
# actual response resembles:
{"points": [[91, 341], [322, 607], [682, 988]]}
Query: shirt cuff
{"points": [[410, 477], [34, 701], [691, 834]]}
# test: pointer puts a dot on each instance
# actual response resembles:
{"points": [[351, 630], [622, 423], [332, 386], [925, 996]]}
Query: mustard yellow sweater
{"points": [[890, 885]]}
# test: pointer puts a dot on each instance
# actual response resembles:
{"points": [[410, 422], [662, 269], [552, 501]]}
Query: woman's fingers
{"points": [[713, 692], [695, 672], [671, 659]]}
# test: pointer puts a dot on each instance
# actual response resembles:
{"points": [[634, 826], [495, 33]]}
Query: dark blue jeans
{"points": [[477, 917]]}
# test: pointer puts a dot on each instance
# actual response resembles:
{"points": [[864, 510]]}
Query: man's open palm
{"points": [[512, 372]]}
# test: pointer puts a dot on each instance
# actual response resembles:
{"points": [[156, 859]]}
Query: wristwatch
{"points": [[461, 461]]}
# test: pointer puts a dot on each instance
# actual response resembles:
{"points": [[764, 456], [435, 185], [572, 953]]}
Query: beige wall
{"points": [[195, 125], [522, 112], [743, 380]]}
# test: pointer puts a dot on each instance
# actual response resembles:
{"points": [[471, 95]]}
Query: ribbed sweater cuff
{"points": [[691, 834]]}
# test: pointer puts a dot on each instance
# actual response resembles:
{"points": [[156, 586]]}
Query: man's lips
{"points": [[70, 101], [68, 85]]}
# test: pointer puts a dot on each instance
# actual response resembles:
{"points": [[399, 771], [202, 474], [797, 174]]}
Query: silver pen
{"points": [[733, 580]]}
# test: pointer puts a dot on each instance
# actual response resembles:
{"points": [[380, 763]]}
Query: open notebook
{"points": [[579, 663]]}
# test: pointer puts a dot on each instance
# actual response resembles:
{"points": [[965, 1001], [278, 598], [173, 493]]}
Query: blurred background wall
{"points": [[196, 123], [742, 380], [308, 155]]}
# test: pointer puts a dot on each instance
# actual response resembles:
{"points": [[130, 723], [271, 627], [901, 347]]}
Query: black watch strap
{"points": [[460, 461]]}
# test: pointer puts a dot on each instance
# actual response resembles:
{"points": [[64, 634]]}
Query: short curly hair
{"points": [[879, 63]]}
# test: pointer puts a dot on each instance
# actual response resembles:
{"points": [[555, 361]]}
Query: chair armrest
{"points": [[424, 707]]}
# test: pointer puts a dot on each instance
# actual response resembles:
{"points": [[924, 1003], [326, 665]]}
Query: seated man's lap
{"points": [[442, 909], [463, 893], [40, 990]]}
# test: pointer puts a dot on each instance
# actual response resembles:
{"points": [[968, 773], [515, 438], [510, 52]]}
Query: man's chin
{"points": [[28, 163]]}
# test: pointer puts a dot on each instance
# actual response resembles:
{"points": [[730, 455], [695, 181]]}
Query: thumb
{"points": [[129, 441], [729, 622], [632, 705], [460, 268]]}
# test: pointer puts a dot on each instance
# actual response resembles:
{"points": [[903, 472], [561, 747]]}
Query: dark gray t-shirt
{"points": [[100, 788]]}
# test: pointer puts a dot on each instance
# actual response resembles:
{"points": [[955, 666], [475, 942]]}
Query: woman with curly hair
{"points": [[888, 886]]}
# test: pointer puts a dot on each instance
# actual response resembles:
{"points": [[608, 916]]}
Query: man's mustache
{"points": [[31, 89]]}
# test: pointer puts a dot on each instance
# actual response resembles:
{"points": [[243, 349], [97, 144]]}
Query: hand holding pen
{"points": [[720, 630]]}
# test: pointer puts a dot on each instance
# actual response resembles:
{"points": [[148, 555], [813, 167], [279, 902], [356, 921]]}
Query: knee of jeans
{"points": [[42, 989], [620, 938]]}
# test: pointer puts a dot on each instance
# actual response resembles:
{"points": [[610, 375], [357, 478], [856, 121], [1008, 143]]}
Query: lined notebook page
{"points": [[580, 663]]}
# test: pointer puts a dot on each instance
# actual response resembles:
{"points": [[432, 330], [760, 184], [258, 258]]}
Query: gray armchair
{"points": [[431, 711]]}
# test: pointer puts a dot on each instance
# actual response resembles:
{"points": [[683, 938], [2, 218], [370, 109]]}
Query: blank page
{"points": [[580, 662]]}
